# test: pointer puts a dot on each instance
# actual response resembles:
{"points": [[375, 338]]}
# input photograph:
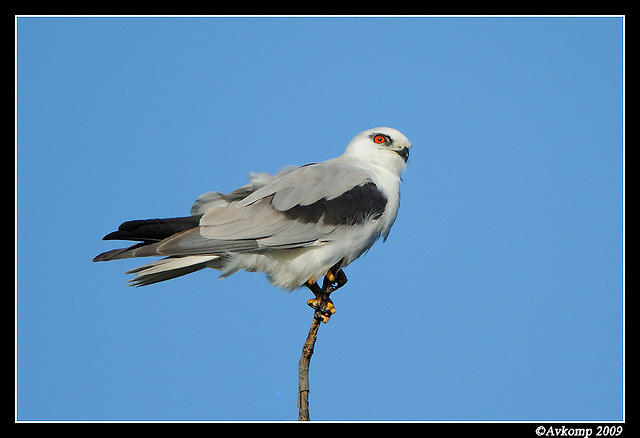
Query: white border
{"points": [[16, 17]]}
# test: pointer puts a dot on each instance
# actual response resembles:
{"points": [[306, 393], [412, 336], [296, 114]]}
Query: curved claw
{"points": [[329, 307], [331, 282]]}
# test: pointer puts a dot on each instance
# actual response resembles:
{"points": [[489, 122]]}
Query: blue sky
{"points": [[498, 295]]}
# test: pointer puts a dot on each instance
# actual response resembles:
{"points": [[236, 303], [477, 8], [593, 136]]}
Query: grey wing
{"points": [[308, 184], [213, 199], [296, 208]]}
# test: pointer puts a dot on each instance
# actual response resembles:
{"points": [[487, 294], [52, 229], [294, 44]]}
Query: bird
{"points": [[298, 225]]}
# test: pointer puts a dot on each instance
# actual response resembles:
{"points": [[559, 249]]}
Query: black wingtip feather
{"points": [[153, 230]]}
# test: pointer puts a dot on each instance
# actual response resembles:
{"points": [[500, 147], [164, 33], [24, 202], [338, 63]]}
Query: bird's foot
{"points": [[322, 304], [323, 307], [334, 281]]}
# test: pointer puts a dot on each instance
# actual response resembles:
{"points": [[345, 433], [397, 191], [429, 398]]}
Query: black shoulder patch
{"points": [[352, 207]]}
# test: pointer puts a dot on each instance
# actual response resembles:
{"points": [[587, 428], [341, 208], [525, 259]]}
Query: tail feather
{"points": [[170, 267], [149, 232], [144, 249]]}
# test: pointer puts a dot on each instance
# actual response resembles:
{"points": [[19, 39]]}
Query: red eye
{"points": [[379, 139]]}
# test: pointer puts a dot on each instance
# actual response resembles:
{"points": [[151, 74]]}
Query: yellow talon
{"points": [[315, 302], [331, 308], [330, 277]]}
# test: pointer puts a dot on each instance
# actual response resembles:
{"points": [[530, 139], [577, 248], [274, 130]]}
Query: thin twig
{"points": [[307, 352], [303, 371]]}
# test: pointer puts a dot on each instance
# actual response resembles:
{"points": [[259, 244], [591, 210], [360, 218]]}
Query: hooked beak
{"points": [[404, 153]]}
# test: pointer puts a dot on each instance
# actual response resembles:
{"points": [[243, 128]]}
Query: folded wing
{"points": [[296, 208]]}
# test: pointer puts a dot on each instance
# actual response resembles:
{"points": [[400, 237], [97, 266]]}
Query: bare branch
{"points": [[303, 371], [307, 352]]}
